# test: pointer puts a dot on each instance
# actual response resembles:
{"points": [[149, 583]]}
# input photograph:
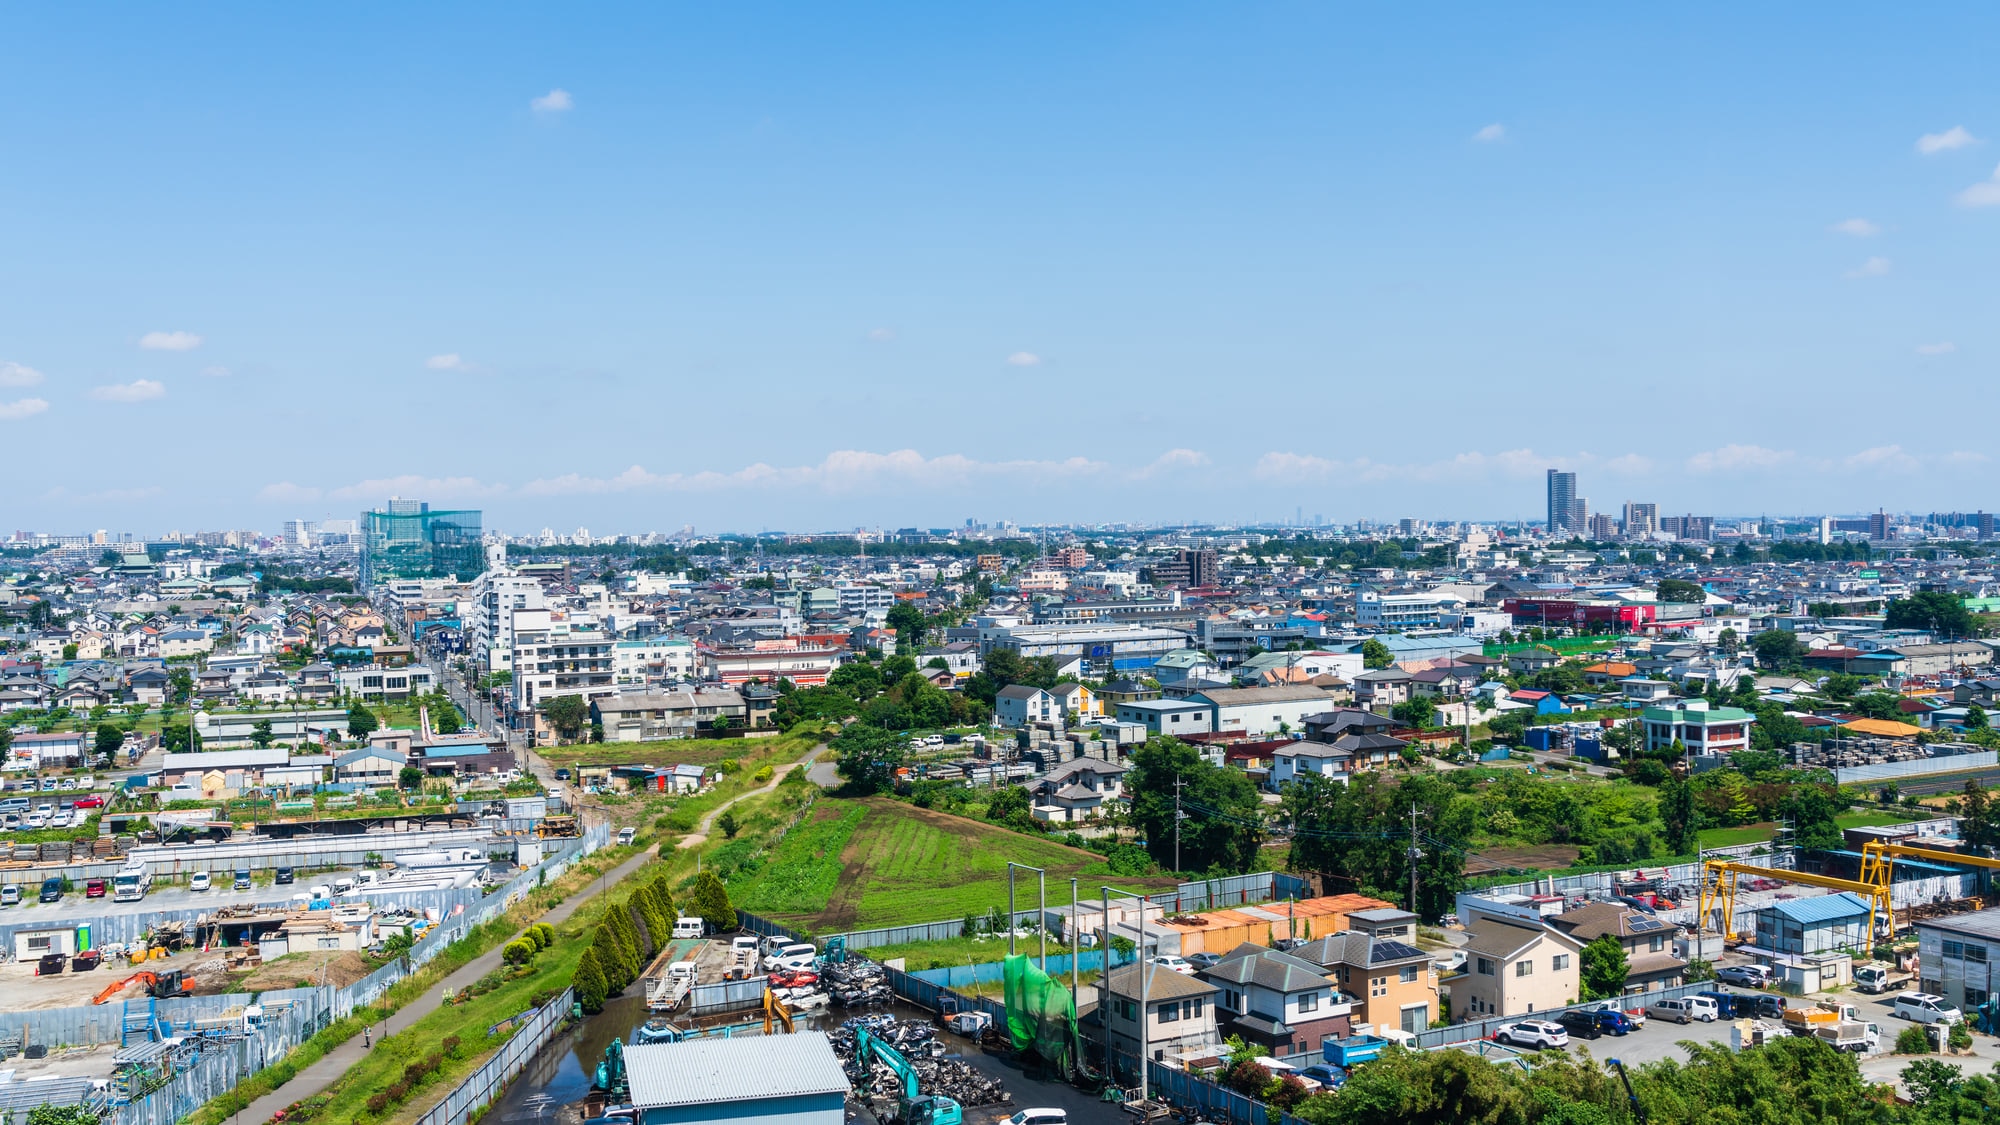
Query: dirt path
{"points": [[699, 836]]}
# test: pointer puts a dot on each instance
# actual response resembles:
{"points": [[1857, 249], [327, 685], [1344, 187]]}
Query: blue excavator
{"points": [[912, 1106]]}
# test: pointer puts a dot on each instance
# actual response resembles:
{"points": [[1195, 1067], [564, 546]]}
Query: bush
{"points": [[762, 776], [1959, 1038], [1913, 1041], [545, 933], [518, 952]]}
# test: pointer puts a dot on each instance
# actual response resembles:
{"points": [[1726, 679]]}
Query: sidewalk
{"points": [[322, 1074]]}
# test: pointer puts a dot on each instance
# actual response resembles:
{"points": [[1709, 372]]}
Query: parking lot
{"points": [[76, 907], [1660, 1039]]}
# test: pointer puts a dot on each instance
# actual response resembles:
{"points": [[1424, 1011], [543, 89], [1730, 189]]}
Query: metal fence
{"points": [[133, 926], [96, 1024], [485, 1084], [1207, 894], [728, 996], [168, 860], [1917, 767], [222, 1067]]}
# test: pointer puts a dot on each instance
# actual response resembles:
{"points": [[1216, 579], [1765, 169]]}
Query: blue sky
{"points": [[750, 266]]}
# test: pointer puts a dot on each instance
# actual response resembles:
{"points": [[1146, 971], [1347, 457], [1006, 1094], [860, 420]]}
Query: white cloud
{"points": [[1173, 459], [1737, 458], [1025, 359], [105, 496], [289, 493], [1945, 347], [1930, 144], [450, 361], [170, 341], [881, 335], [18, 375], [22, 408], [842, 470], [1859, 228], [138, 390], [1873, 267], [555, 101], [1514, 464], [1631, 465], [1964, 458], [1490, 134], [1985, 193], [1883, 458], [440, 488], [215, 372]]}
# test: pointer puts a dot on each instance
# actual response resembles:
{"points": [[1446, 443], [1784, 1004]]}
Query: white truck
{"points": [[665, 993], [131, 883], [1879, 977], [1851, 1035], [742, 958]]}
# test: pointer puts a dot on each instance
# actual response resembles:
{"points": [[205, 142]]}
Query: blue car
{"points": [[1330, 1077], [1728, 1005], [1615, 1023]]}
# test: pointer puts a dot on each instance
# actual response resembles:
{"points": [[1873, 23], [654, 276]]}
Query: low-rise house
{"points": [[1294, 760], [1383, 687], [1277, 1000], [1077, 700], [1392, 982], [1018, 705], [1261, 710], [1516, 970], [1078, 789], [1179, 1011], [1647, 941], [370, 765], [1168, 716], [650, 716]]}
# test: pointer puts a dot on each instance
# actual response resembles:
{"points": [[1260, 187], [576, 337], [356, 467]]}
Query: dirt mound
{"points": [[304, 970]]}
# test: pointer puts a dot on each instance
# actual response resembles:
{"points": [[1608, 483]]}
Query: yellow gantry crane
{"points": [[1718, 887], [1878, 859]]}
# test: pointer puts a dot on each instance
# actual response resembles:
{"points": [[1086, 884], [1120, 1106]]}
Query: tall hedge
{"points": [[711, 901], [589, 982]]}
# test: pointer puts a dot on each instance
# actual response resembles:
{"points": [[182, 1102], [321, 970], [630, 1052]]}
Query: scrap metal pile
{"points": [[856, 983], [917, 1043]]}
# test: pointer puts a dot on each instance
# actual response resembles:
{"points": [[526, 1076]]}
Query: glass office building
{"points": [[409, 540]]}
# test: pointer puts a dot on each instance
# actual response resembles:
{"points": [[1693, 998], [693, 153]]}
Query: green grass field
{"points": [[680, 751], [1733, 837], [1876, 819], [863, 864]]}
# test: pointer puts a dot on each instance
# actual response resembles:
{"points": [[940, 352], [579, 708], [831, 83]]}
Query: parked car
{"points": [[1769, 1006], [90, 802], [1039, 1117], [1614, 1022], [1330, 1077], [1177, 964], [1673, 1011], [10, 895], [1204, 960], [96, 888], [282, 876], [1729, 1005], [1581, 1024], [1539, 1034], [199, 881], [1745, 976], [1925, 1007], [52, 890]]}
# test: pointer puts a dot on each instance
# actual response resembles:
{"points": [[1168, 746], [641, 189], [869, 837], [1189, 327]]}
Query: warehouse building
{"points": [[768, 1079]]}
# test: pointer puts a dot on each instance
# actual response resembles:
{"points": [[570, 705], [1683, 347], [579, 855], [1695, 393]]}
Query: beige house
{"points": [[1647, 941], [1180, 1014], [1516, 970]]}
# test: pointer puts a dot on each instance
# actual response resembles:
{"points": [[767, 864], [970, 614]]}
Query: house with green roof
{"points": [[1699, 727]]}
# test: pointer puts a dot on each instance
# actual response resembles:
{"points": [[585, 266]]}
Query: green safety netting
{"points": [[1040, 1012]]}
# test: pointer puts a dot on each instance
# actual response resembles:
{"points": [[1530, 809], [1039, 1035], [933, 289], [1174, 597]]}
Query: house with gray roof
{"points": [[1277, 1000]]}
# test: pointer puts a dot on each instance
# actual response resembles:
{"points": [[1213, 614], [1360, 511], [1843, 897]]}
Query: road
{"points": [[336, 1062], [700, 834]]}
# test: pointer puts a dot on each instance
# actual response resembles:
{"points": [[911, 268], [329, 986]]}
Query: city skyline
{"points": [[849, 274]]}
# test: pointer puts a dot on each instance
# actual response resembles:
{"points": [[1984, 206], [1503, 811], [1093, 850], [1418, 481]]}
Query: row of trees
{"points": [[634, 930]]}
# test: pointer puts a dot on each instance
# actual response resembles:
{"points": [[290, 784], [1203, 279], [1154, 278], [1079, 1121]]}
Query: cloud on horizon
{"points": [[170, 341], [138, 390]]}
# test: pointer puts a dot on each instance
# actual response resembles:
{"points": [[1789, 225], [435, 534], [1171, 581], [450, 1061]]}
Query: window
{"points": [[1954, 949], [1524, 968], [1407, 974], [1658, 943], [1309, 1002], [1485, 967], [1170, 1012], [1197, 1007], [1975, 952], [1559, 962], [1975, 997]]}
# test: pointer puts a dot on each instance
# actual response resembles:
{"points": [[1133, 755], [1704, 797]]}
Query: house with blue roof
{"points": [[1821, 924]]}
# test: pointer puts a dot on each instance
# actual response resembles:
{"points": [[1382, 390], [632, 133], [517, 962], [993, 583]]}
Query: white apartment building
{"points": [[860, 598], [1376, 610], [489, 627], [652, 660], [558, 653]]}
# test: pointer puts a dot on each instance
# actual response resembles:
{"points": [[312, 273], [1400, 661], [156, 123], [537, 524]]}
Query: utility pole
{"points": [[1415, 855], [1177, 823]]}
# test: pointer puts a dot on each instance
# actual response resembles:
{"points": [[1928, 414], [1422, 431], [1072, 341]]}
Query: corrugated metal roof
{"points": [[1822, 908], [707, 1071]]}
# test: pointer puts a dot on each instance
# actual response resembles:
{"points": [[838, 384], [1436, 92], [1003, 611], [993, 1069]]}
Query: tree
{"points": [[868, 757], [261, 734], [445, 718], [1935, 611], [1975, 717], [813, 704], [410, 778], [1812, 807], [908, 622], [1358, 835], [568, 714], [62, 1115], [1224, 823], [727, 822], [1728, 641], [1375, 654], [1678, 817], [1776, 648], [711, 903], [1603, 967], [859, 679], [109, 739], [361, 722], [1685, 593], [1417, 711]]}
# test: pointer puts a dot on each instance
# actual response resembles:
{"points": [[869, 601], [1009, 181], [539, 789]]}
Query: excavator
{"points": [[158, 985], [912, 1107], [775, 1008]]}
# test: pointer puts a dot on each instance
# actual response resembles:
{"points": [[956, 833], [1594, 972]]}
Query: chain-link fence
{"points": [[485, 1084]]}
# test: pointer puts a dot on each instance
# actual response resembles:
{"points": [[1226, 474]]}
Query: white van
{"points": [[1705, 1009], [1924, 1007], [1678, 1011], [685, 927], [342, 885], [797, 955]]}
